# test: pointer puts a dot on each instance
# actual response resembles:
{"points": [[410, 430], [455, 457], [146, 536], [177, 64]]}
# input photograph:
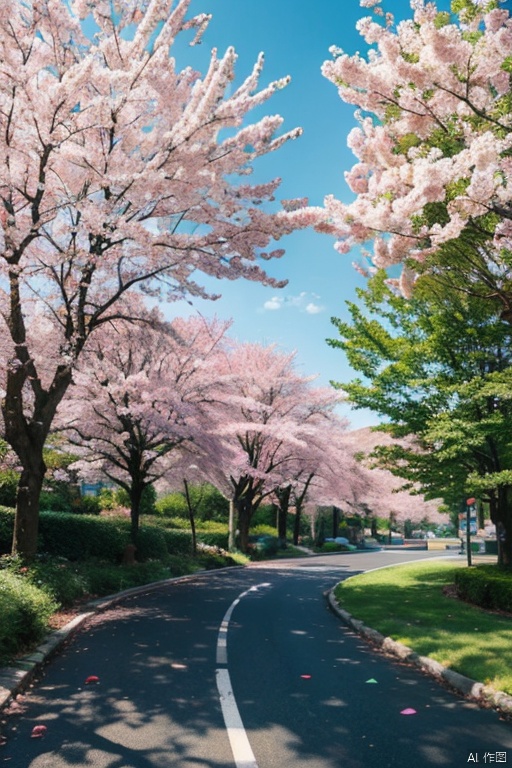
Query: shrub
{"points": [[172, 505], [86, 505], [107, 579], [263, 530], [8, 487], [212, 533], [213, 505], [6, 529], [485, 585], [265, 515], [151, 544], [177, 542], [25, 611], [332, 546], [78, 537], [111, 498], [59, 496], [60, 579]]}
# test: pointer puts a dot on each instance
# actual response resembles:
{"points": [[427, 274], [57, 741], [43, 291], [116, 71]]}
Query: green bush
{"points": [[213, 505], [486, 586], [25, 611], [8, 487], [332, 546], [60, 579], [207, 503], [213, 539], [78, 537], [110, 498], [6, 529], [151, 544], [58, 496], [265, 515], [108, 579], [172, 505], [263, 530], [178, 542]]}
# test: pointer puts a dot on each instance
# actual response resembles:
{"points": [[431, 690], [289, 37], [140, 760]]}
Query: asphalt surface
{"points": [[310, 692]]}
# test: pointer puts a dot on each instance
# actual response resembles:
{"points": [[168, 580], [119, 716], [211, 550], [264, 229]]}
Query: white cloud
{"points": [[303, 302], [275, 303]]}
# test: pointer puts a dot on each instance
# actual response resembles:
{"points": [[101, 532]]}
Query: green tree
{"points": [[437, 369]]}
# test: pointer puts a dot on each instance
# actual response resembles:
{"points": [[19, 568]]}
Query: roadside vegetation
{"points": [[418, 605]]}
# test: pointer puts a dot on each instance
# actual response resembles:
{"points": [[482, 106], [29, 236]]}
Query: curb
{"points": [[18, 675], [472, 689]]}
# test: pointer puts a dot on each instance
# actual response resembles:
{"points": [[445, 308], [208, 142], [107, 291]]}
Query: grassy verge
{"points": [[407, 603]]}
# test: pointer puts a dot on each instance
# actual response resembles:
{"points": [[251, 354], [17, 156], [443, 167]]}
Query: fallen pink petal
{"points": [[408, 711], [306, 677], [38, 731], [92, 679]]}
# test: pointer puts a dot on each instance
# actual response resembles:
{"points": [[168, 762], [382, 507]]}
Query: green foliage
{"points": [[207, 503], [8, 487], [263, 530], [108, 579], [151, 544], [264, 515], [332, 546], [78, 537], [111, 498], [485, 585], [87, 505], [214, 538], [437, 367], [178, 542], [172, 505], [6, 529], [61, 580], [442, 19], [25, 611], [58, 496]]}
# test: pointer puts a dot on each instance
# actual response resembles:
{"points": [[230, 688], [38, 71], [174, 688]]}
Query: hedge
{"points": [[486, 586], [80, 537]]}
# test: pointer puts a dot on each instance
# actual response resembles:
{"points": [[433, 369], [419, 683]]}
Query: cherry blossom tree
{"points": [[268, 415], [118, 171], [432, 181], [138, 394], [380, 492], [323, 472]]}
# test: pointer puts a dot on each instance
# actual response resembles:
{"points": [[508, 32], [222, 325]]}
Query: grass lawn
{"points": [[407, 603]]}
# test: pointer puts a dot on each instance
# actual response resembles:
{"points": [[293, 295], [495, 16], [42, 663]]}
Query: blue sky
{"points": [[295, 38]]}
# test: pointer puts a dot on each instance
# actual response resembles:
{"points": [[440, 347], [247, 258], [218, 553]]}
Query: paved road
{"points": [[291, 673]]}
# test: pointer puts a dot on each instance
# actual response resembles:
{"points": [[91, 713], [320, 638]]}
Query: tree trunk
{"points": [[296, 522], [191, 516], [282, 514], [335, 521], [244, 508], [26, 521], [231, 526], [136, 490], [503, 524]]}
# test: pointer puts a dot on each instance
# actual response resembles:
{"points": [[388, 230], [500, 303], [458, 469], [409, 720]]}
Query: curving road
{"points": [[244, 668]]}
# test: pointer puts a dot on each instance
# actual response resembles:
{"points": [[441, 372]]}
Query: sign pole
{"points": [[469, 505]]}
